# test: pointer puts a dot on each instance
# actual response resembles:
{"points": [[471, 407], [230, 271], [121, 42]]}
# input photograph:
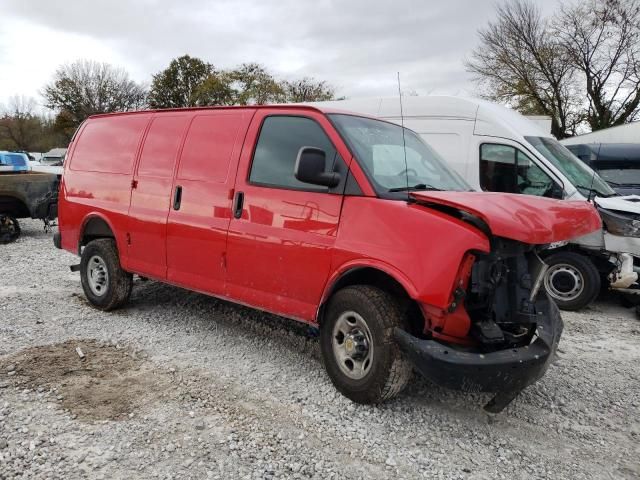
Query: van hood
{"points": [[525, 218]]}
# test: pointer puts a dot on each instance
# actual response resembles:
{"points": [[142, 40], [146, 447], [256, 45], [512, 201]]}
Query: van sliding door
{"points": [[150, 195], [201, 199]]}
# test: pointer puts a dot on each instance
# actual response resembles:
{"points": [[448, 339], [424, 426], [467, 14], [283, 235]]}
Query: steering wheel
{"points": [[408, 171]]}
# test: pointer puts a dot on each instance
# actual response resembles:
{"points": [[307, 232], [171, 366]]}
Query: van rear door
{"points": [[151, 194], [201, 199]]}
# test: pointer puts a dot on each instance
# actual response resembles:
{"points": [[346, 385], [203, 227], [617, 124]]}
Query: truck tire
{"points": [[572, 280], [360, 354], [9, 229], [106, 285]]}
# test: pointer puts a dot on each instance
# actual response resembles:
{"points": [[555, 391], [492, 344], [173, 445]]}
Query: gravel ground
{"points": [[180, 385]]}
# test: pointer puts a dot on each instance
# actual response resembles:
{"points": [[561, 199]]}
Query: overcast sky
{"points": [[356, 45]]}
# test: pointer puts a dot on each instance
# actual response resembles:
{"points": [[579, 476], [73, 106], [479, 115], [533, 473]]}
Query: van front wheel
{"points": [[105, 284], [356, 339], [572, 280]]}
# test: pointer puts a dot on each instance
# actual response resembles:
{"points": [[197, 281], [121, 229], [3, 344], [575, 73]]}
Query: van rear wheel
{"points": [[572, 280], [9, 229], [356, 339], [106, 285]]}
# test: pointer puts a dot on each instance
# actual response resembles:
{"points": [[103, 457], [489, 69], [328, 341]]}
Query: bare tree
{"points": [[519, 63], [19, 126], [601, 39], [85, 87], [308, 90]]}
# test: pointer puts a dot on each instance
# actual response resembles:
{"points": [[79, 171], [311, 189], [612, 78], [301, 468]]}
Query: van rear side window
{"points": [[109, 144], [207, 150]]}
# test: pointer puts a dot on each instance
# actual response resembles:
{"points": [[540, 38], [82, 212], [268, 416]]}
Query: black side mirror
{"points": [[310, 168]]}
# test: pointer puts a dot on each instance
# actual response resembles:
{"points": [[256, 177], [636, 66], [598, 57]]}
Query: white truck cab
{"points": [[497, 149]]}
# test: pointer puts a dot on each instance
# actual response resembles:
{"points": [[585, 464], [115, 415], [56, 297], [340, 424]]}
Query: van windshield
{"points": [[380, 150], [588, 182]]}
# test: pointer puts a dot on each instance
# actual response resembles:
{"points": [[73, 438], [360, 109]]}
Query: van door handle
{"points": [[238, 203], [177, 197]]}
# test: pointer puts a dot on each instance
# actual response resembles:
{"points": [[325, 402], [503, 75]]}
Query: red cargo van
{"points": [[337, 220]]}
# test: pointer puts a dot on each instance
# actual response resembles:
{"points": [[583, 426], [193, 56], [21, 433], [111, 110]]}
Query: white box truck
{"points": [[497, 149]]}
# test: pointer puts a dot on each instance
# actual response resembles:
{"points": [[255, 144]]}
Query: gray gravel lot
{"points": [[180, 385]]}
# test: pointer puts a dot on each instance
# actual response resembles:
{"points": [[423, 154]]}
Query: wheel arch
{"points": [[14, 206], [376, 275], [93, 227]]}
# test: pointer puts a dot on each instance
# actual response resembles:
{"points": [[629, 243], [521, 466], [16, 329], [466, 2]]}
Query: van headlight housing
{"points": [[619, 223]]}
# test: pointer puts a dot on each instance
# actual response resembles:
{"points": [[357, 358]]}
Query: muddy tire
{"points": [[572, 280], [356, 339], [9, 229], [106, 285]]}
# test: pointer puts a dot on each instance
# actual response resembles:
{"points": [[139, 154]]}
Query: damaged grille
{"points": [[501, 295]]}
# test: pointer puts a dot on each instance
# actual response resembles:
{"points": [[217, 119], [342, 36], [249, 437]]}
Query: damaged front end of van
{"points": [[500, 331]]}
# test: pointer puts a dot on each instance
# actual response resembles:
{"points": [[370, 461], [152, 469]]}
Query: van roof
{"points": [[316, 108], [491, 119]]}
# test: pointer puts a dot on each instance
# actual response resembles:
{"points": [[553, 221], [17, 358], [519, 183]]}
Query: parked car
{"points": [[307, 214], [496, 149], [54, 157], [24, 194], [617, 163]]}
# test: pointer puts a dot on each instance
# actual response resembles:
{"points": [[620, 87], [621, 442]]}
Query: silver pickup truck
{"points": [[26, 195]]}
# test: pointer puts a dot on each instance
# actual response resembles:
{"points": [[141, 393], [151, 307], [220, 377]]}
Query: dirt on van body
{"points": [[180, 385]]}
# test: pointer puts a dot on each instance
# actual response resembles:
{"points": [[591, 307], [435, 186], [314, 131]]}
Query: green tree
{"points": [[254, 85], [215, 90], [181, 84], [85, 87]]}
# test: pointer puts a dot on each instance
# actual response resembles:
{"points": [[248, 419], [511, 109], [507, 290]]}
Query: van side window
{"points": [[504, 168], [281, 137]]}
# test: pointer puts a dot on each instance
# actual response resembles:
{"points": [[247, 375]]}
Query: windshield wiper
{"points": [[419, 186], [596, 192]]}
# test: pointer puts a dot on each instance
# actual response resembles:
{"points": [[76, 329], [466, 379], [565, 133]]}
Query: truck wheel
{"points": [[104, 282], [572, 280], [9, 229], [356, 339]]}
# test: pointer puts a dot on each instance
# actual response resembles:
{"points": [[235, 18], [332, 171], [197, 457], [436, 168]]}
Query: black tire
{"points": [[572, 280], [9, 229], [388, 372], [115, 289]]}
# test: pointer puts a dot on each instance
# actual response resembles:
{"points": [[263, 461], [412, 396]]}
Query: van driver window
{"points": [[506, 169], [281, 137]]}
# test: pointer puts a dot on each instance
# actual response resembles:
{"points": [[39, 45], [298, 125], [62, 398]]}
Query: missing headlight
{"points": [[619, 223]]}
